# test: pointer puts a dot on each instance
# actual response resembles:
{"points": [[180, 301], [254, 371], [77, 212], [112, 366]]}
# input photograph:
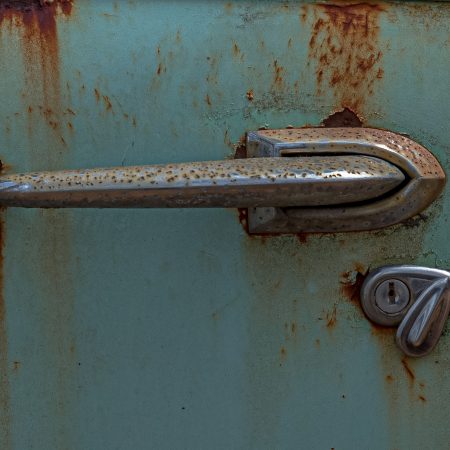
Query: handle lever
{"points": [[239, 183], [292, 181], [422, 326]]}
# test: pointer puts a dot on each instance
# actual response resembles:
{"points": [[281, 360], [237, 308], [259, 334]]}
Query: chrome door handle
{"points": [[243, 183], [316, 179], [415, 298]]}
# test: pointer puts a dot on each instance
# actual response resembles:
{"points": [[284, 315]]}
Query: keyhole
{"points": [[392, 294]]}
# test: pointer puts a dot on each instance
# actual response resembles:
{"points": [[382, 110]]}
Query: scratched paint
{"points": [[130, 328]]}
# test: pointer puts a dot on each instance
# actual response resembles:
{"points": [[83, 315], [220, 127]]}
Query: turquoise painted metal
{"points": [[174, 329]]}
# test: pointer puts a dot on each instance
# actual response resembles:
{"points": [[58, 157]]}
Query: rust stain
{"points": [[250, 95], [408, 370], [344, 118], [37, 25], [278, 72], [303, 13], [208, 100], [422, 398], [229, 7], [97, 95], [332, 318], [389, 378], [236, 49], [5, 395], [302, 237], [107, 101], [241, 148], [294, 328], [344, 44], [243, 218], [283, 354], [351, 288]]}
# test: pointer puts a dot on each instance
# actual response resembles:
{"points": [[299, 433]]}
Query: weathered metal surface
{"points": [[298, 181], [175, 329], [425, 179]]}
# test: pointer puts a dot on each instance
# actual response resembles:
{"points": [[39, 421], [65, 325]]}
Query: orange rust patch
{"points": [[303, 13], [344, 45], [107, 101], [344, 118], [243, 218], [408, 370], [236, 49], [36, 22], [352, 288], [97, 95], [293, 328], [250, 95], [277, 75], [331, 318], [241, 148]]}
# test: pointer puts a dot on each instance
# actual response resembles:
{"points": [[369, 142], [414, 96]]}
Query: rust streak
{"points": [[97, 95], [408, 370], [36, 22], [352, 288], [344, 44], [107, 101], [236, 49], [331, 318]]}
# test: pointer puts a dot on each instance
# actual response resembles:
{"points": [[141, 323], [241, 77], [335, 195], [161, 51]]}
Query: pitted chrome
{"points": [[425, 178], [240, 183], [294, 180]]}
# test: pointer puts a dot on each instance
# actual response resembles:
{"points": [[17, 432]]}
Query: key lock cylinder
{"points": [[416, 299]]}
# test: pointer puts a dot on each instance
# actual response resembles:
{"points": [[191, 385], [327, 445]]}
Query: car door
{"points": [[130, 328]]}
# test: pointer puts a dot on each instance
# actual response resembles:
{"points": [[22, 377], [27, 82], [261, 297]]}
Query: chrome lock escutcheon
{"points": [[417, 299]]}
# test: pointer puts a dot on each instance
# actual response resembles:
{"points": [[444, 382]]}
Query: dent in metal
{"points": [[425, 179]]}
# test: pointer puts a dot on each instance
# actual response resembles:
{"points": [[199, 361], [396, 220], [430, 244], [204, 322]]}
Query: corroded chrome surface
{"points": [[425, 178], [297, 181]]}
